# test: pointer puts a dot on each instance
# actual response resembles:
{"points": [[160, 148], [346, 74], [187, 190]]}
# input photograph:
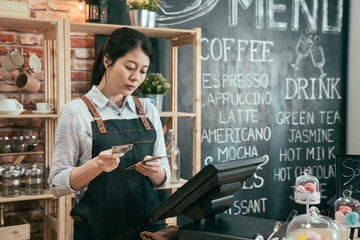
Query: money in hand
{"points": [[121, 148]]}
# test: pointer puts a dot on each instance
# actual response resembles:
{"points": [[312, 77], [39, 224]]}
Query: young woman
{"points": [[112, 203]]}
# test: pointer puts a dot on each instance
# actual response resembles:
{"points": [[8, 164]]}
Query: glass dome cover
{"points": [[313, 226], [12, 171], [307, 189], [347, 210]]}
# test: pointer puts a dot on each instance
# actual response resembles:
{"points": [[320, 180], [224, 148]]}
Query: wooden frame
{"points": [[11, 8], [55, 92], [19, 230], [177, 38]]}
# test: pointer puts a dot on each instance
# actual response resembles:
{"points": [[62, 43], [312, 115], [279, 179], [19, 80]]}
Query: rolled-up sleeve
{"points": [[159, 147], [65, 153]]}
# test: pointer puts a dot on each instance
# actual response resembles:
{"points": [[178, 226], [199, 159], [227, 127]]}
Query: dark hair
{"points": [[119, 43]]}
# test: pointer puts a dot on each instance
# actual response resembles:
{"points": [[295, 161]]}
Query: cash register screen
{"points": [[210, 191]]}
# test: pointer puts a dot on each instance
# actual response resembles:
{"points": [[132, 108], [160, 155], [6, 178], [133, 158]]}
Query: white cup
{"points": [[44, 107], [13, 61], [33, 63], [10, 105]]}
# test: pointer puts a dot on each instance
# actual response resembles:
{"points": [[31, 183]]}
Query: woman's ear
{"points": [[106, 62]]}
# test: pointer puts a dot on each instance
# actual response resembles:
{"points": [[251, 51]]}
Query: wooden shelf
{"points": [[28, 24], [177, 38], [46, 195], [21, 153], [56, 91], [175, 185], [30, 115], [177, 114], [106, 29]]}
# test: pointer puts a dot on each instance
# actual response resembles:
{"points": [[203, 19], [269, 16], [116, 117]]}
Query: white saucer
{"points": [[11, 112], [41, 112]]}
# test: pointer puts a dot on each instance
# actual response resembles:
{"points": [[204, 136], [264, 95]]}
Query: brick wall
{"points": [[82, 59]]}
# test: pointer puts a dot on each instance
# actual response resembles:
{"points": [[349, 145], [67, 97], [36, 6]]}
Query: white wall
{"points": [[353, 97]]}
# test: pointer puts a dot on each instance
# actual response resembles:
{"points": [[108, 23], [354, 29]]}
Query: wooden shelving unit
{"points": [[177, 114], [21, 153], [176, 185], [56, 93], [28, 24], [177, 38], [106, 29], [46, 195], [30, 116]]}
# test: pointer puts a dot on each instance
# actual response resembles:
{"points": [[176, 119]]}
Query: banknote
{"points": [[148, 160], [122, 148]]}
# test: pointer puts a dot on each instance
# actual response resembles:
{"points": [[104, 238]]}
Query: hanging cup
{"points": [[27, 83], [33, 63], [13, 61]]}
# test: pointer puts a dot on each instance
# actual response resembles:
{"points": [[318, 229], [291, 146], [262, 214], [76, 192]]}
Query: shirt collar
{"points": [[100, 100], [130, 103]]}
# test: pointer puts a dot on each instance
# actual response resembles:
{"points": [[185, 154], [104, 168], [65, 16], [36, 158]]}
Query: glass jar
{"points": [[34, 181], [31, 143], [5, 145], [313, 226], [173, 150], [307, 189], [11, 179], [18, 144], [2, 169], [347, 210]]}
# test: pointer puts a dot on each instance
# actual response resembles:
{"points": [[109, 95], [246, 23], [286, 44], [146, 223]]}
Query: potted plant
{"points": [[143, 12], [155, 87]]}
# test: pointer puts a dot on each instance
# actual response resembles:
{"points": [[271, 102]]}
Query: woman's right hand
{"points": [[107, 161]]}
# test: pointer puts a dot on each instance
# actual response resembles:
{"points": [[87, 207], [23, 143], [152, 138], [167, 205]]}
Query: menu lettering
{"points": [[273, 85], [348, 174], [241, 98]]}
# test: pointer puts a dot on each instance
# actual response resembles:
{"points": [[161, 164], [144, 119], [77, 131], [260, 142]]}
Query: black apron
{"points": [[118, 204]]}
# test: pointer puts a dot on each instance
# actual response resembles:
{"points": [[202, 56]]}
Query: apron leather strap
{"points": [[95, 114], [141, 113]]}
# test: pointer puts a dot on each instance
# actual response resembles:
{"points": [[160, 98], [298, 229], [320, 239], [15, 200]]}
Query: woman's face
{"points": [[128, 72]]}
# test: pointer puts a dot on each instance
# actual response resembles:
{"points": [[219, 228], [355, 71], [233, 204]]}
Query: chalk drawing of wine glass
{"points": [[318, 59], [302, 49]]}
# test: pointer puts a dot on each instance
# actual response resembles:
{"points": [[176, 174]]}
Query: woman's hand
{"points": [[148, 168], [153, 170], [107, 161]]}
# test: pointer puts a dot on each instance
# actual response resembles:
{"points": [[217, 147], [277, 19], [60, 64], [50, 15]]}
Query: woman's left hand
{"points": [[149, 168]]}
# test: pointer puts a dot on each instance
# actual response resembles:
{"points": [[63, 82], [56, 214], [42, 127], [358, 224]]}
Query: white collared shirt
{"points": [[73, 137]]}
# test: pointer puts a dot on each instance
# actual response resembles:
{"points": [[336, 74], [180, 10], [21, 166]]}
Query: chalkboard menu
{"points": [[348, 174], [273, 85]]}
